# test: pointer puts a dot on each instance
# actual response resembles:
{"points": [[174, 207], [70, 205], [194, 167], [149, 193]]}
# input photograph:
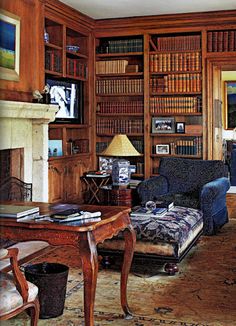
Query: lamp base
{"points": [[120, 173]]}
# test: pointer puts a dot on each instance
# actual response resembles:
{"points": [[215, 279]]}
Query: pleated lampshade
{"points": [[120, 146]]}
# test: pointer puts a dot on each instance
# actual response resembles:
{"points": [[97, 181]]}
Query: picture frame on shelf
{"points": [[180, 127], [230, 104], [163, 125], [9, 46], [163, 149]]}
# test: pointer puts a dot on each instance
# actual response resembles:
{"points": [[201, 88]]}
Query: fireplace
{"points": [[24, 129]]}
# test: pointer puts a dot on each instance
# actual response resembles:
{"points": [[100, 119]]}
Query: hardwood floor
{"points": [[231, 205]]}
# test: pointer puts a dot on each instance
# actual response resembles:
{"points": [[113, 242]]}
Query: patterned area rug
{"points": [[203, 293]]}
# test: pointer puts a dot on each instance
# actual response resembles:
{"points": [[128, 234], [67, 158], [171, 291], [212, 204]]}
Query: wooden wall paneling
{"points": [[204, 98], [30, 13]]}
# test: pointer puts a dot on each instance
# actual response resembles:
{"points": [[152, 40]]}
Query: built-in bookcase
{"points": [[120, 93], [175, 79]]}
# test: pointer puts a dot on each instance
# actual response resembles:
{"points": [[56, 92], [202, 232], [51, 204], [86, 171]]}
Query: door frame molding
{"points": [[214, 66]]}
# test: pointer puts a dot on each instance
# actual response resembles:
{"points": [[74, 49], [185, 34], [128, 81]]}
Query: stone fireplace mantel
{"points": [[25, 125]]}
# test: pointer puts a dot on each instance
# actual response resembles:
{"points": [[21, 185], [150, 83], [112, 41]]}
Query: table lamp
{"points": [[120, 146]]}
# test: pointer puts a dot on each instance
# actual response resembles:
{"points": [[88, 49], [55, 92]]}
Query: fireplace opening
{"points": [[12, 163]]}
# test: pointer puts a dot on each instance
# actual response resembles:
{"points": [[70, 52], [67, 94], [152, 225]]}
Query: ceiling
{"points": [[100, 9]]}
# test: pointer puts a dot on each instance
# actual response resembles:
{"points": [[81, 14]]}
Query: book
{"points": [[168, 205], [142, 211], [72, 215], [15, 211]]}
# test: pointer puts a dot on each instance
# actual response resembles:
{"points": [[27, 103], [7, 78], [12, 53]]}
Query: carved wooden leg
{"points": [[89, 257], [130, 240]]}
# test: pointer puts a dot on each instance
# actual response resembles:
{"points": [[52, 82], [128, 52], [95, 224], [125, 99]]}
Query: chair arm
{"points": [[214, 190], [151, 188], [20, 281]]}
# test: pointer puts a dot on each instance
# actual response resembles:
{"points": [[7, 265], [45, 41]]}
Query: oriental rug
{"points": [[203, 293]]}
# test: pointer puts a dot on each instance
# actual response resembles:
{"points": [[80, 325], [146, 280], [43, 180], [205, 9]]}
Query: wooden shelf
{"points": [[112, 55], [175, 135], [126, 74], [175, 155], [176, 114]]}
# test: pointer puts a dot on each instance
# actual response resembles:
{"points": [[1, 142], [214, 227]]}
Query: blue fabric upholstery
{"points": [[198, 184]]}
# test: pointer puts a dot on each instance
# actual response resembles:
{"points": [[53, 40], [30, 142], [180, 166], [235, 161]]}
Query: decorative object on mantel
{"points": [[43, 97]]}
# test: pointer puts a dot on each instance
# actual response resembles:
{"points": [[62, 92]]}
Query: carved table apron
{"points": [[85, 238]]}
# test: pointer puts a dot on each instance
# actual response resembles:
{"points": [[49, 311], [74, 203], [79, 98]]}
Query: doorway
{"points": [[214, 103]]}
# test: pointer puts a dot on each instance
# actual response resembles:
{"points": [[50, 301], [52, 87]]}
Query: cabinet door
{"points": [[73, 187], [56, 181]]}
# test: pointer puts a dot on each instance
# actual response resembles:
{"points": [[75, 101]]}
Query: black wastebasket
{"points": [[51, 280]]}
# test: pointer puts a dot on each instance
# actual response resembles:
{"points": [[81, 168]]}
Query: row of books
{"points": [[178, 43], [221, 41], [181, 104], [176, 83], [119, 86], [120, 107], [111, 66], [121, 46], [53, 61], [115, 126], [188, 61], [75, 68], [187, 146], [140, 168]]}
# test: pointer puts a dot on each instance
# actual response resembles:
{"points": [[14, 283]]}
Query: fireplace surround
{"points": [[25, 125]]}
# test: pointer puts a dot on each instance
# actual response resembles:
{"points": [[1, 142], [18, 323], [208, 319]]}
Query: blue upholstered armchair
{"points": [[200, 184]]}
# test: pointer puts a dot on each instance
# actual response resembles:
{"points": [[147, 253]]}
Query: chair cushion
{"points": [[10, 297]]}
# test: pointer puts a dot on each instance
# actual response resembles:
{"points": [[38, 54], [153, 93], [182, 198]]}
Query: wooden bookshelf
{"points": [[119, 93], [67, 60], [175, 88]]}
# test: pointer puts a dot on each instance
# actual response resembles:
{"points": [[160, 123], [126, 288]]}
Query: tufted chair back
{"points": [[189, 175], [16, 293]]}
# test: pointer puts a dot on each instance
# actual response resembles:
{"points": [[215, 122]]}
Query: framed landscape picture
{"points": [[230, 104], [9, 46]]}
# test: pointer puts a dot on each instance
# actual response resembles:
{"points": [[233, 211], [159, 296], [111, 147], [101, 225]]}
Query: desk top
{"points": [[109, 215]]}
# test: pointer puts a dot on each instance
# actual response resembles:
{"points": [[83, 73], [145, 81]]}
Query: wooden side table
{"points": [[94, 183], [118, 196]]}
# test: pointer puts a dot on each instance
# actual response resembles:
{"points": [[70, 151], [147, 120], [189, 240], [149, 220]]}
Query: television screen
{"points": [[68, 96]]}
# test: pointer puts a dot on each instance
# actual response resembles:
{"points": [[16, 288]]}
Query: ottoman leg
{"points": [[171, 268]]}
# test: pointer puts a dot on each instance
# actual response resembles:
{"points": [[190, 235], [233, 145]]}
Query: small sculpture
{"points": [[43, 97]]}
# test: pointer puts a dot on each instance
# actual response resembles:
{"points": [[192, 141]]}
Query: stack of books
{"points": [[76, 215]]}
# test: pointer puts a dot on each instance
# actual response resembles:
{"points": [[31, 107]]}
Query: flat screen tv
{"points": [[69, 97]]}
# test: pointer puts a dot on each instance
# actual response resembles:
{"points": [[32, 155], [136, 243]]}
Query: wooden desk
{"points": [[85, 238]]}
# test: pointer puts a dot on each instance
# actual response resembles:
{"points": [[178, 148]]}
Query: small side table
{"points": [[118, 196], [94, 184]]}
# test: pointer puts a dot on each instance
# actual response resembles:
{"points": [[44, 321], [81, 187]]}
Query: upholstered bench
{"points": [[167, 238]]}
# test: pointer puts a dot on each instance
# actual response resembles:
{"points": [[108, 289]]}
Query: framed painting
{"points": [[230, 104], [9, 46]]}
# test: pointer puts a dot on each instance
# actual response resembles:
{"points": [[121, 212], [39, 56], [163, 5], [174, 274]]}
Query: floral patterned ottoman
{"points": [[167, 238]]}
